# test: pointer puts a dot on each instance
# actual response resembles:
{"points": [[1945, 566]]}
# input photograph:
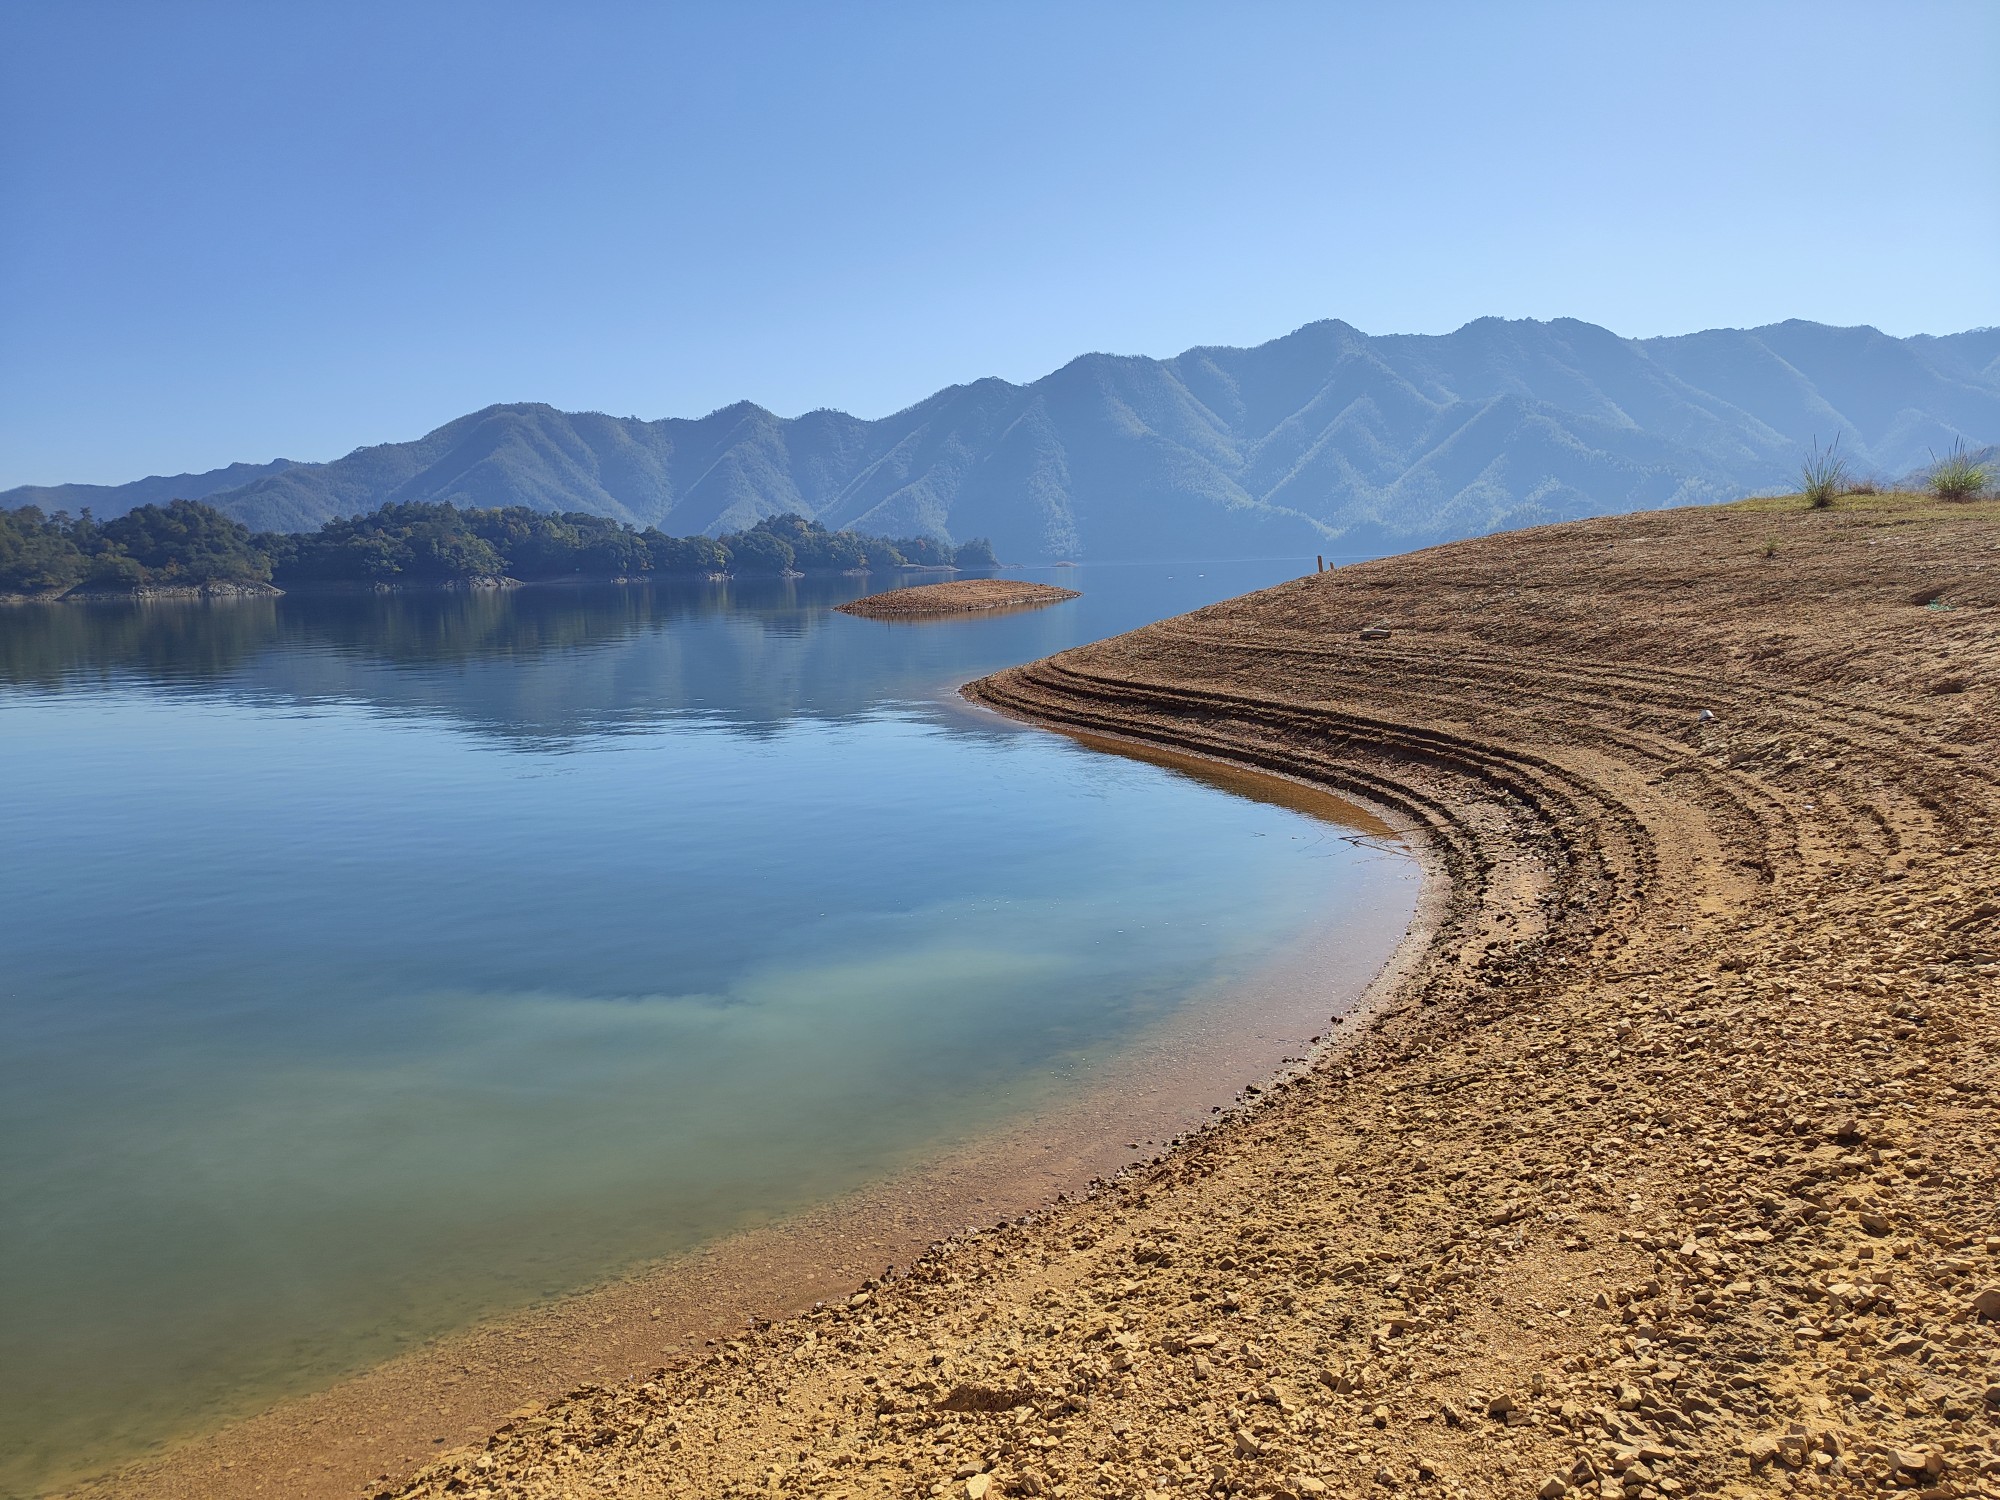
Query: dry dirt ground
{"points": [[1667, 1166], [959, 597]]}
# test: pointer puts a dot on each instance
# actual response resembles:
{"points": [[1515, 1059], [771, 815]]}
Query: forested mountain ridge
{"points": [[1326, 439], [107, 500]]}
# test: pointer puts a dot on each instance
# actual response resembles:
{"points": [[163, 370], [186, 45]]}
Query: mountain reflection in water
{"points": [[375, 965]]}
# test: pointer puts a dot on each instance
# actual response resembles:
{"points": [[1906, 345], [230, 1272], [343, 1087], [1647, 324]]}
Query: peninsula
{"points": [[962, 596]]}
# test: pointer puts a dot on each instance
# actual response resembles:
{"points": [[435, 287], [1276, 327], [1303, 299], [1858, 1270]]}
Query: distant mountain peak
{"points": [[1323, 439]]}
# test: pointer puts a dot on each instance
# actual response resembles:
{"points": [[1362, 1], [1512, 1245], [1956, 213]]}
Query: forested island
{"points": [[185, 546]]}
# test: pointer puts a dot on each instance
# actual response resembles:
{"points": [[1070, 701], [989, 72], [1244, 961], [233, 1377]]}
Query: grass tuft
{"points": [[1824, 472], [1955, 476]]}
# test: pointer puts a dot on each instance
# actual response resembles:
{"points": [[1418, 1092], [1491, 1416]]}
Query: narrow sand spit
{"points": [[962, 596], [1668, 1162]]}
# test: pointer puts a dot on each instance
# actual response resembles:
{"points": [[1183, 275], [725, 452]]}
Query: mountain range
{"points": [[1327, 439]]}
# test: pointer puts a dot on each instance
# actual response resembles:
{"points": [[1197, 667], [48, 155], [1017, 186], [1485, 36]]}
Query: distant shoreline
{"points": [[479, 583]]}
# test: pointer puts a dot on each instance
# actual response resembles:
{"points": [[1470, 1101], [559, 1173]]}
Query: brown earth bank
{"points": [[958, 597], [1667, 1164]]}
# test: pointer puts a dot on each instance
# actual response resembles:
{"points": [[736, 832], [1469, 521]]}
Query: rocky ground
{"points": [[960, 596], [1666, 1165]]}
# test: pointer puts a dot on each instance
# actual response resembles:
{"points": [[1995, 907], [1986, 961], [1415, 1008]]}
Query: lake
{"points": [[374, 966]]}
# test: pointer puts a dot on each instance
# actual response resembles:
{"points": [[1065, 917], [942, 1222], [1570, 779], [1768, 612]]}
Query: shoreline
{"points": [[367, 1428], [219, 592], [1662, 1168], [966, 596]]}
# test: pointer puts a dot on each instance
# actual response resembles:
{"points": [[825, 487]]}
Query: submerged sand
{"points": [[1111, 1110], [1666, 1164]]}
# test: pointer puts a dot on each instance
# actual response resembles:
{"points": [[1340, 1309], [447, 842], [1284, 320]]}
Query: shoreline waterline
{"points": [[382, 1422]]}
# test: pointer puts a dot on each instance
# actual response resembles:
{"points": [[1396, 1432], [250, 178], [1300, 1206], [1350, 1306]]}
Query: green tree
{"points": [[38, 553], [758, 553], [185, 542]]}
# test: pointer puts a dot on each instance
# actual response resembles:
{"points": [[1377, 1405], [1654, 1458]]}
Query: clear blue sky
{"points": [[245, 231]]}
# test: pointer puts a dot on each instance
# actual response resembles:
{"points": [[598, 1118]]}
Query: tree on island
{"points": [[187, 543]]}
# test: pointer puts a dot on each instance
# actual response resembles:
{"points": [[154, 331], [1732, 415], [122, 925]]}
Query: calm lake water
{"points": [[373, 966]]}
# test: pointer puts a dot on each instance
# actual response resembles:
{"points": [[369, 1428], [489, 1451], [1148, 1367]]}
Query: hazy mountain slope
{"points": [[1326, 439], [1889, 400], [107, 500]]}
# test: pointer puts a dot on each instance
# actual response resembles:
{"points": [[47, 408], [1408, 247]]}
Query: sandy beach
{"points": [[959, 596]]}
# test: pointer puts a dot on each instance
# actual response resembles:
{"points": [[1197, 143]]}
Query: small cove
{"points": [[379, 966]]}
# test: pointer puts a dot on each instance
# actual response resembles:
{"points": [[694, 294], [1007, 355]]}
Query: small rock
{"points": [[1760, 1451], [1379, 1416], [1986, 1302], [978, 1487], [1499, 1406], [1305, 1484], [1553, 1489]]}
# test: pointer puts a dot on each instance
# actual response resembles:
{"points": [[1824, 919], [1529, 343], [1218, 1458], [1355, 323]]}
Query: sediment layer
{"points": [[960, 596], [1666, 1164]]}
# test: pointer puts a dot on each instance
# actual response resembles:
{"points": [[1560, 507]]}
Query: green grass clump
{"points": [[1955, 476], [1824, 472]]}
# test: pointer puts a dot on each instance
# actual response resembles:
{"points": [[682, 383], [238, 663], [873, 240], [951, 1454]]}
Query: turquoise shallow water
{"points": [[374, 966]]}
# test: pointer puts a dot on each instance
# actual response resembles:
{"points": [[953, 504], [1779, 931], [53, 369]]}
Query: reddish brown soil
{"points": [[1667, 1164], [961, 596]]}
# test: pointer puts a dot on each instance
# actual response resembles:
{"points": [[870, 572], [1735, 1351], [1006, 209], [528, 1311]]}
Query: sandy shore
{"points": [[959, 597], [1667, 1164]]}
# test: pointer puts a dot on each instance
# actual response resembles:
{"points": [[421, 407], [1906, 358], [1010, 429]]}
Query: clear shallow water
{"points": [[375, 965]]}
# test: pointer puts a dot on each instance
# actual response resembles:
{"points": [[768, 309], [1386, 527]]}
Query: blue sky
{"points": [[246, 231]]}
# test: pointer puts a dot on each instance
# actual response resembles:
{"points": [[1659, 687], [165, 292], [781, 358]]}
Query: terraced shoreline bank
{"points": [[1666, 1164]]}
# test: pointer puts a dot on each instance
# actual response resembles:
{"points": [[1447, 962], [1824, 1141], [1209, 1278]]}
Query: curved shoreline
{"points": [[383, 1420], [1664, 1168]]}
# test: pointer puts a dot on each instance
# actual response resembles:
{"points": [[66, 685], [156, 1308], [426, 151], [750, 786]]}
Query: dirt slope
{"points": [[1668, 1165]]}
